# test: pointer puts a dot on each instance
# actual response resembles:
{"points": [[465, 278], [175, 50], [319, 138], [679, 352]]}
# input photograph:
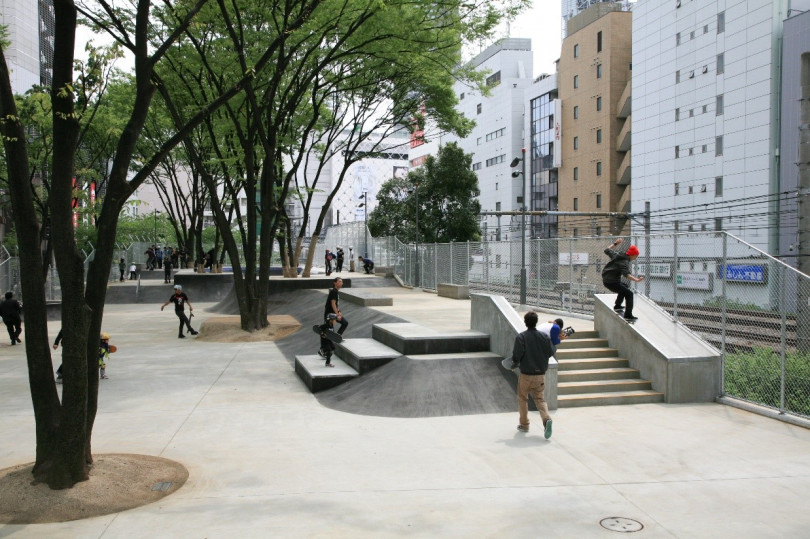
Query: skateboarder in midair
{"points": [[618, 267]]}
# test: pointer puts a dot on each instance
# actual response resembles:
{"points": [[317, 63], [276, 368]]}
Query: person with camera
{"points": [[531, 352]]}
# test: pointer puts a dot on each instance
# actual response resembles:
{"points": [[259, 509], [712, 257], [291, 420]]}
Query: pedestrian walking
{"points": [[180, 299], [531, 353], [614, 271], [10, 310], [122, 268]]}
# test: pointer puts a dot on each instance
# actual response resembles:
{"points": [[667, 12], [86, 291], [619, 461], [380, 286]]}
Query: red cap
{"points": [[632, 250]]}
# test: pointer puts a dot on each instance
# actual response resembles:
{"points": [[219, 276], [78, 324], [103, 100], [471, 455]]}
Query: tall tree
{"points": [[448, 206]]}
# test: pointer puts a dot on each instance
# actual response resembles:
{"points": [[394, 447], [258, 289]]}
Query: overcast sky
{"points": [[542, 23]]}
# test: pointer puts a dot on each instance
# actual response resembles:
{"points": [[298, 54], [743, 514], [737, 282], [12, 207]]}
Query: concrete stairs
{"points": [[590, 373], [355, 357]]}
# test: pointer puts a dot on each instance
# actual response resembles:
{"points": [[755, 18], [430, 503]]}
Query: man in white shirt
{"points": [[553, 329]]}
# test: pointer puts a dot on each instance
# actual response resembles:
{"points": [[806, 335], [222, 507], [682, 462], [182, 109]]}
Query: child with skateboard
{"points": [[104, 351], [328, 338], [618, 267]]}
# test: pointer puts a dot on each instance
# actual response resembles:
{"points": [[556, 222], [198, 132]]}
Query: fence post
{"points": [[782, 343], [675, 278], [468, 265], [570, 271], [723, 314], [452, 254]]}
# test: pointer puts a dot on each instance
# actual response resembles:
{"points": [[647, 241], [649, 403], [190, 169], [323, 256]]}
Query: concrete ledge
{"points": [[454, 291], [408, 339], [383, 271], [674, 359], [495, 316], [317, 377], [366, 298], [365, 355]]}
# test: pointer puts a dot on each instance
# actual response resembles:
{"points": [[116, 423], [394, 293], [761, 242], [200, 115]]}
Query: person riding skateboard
{"points": [[531, 352], [327, 346], [618, 267], [180, 299]]}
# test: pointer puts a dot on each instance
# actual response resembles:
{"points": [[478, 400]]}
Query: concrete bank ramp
{"points": [[413, 387]]}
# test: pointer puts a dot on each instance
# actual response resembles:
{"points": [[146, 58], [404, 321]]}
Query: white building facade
{"points": [[30, 27], [705, 107]]}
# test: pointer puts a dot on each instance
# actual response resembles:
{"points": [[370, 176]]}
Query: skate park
{"points": [[267, 456]]}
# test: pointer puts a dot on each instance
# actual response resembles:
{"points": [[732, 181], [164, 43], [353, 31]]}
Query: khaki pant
{"points": [[534, 385]]}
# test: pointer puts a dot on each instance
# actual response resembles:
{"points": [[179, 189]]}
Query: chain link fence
{"points": [[752, 307]]}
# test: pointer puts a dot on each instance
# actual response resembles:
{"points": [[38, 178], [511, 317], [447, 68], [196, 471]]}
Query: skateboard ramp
{"points": [[412, 387]]}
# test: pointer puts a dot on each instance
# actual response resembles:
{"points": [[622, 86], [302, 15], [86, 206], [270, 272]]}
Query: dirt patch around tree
{"points": [[229, 329], [117, 482]]}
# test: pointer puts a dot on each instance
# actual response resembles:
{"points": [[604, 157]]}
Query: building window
{"points": [[576, 204], [478, 108], [692, 34], [690, 189], [461, 97], [691, 113], [721, 22], [691, 228], [675, 225], [576, 143], [576, 232], [576, 173], [599, 168], [721, 63], [599, 41], [718, 186], [576, 112], [677, 76], [598, 201], [576, 81], [497, 206], [478, 141], [718, 105], [718, 223], [703, 227], [705, 109], [598, 71], [677, 114], [494, 79], [576, 50], [677, 39], [705, 28], [718, 145], [598, 103], [705, 148], [477, 166], [677, 188], [599, 136], [677, 151], [599, 231]]}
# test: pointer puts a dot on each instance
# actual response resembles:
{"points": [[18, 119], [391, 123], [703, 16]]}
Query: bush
{"points": [[756, 376]]}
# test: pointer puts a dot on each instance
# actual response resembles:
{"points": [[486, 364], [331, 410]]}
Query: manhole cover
{"points": [[163, 486], [621, 524]]}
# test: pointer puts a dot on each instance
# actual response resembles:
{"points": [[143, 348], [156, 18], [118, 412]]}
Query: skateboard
{"points": [[507, 364], [621, 315], [113, 349], [331, 335]]}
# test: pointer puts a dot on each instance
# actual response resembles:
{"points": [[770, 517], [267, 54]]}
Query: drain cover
{"points": [[163, 486], [621, 524]]}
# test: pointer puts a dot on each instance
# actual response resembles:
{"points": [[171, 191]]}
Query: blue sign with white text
{"points": [[744, 273]]}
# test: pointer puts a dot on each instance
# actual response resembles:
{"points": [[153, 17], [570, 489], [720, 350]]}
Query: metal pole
{"points": [[418, 277], [723, 314], [523, 228], [365, 223]]}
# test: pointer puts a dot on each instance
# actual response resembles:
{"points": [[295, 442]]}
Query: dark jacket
{"points": [[618, 267], [10, 310], [532, 351]]}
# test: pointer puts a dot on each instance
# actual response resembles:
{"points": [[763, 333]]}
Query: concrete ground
{"points": [[267, 460]]}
